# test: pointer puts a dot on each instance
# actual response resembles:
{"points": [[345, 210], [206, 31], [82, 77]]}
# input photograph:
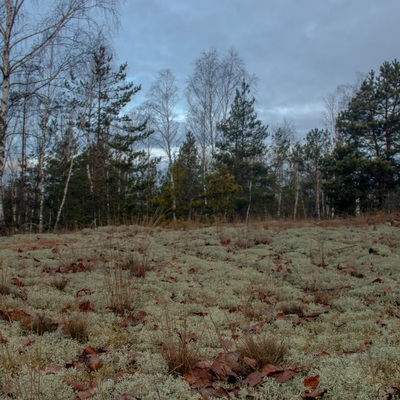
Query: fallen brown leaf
{"points": [[86, 306], [250, 362], [223, 372], [199, 378], [17, 282], [26, 343], [86, 394], [285, 376], [311, 382], [255, 379], [314, 394]]}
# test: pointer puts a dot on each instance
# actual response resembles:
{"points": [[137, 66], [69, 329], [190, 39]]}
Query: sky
{"points": [[300, 50]]}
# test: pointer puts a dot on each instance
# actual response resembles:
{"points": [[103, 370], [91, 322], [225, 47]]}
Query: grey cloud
{"points": [[299, 50]]}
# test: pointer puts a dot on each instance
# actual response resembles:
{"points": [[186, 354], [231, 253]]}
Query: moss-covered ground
{"points": [[259, 311]]}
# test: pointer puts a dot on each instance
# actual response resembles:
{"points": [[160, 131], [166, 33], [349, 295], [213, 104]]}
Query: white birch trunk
{"points": [[64, 193]]}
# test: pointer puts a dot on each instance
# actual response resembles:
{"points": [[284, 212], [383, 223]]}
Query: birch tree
{"points": [[25, 36], [163, 98], [210, 91], [317, 145], [282, 139]]}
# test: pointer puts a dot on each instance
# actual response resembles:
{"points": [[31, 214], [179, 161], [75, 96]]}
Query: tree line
{"points": [[74, 153]]}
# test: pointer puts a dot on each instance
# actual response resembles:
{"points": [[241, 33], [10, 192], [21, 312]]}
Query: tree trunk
{"points": [[5, 89], [279, 202], [65, 193], [22, 183], [41, 185], [248, 207], [317, 196], [297, 192]]}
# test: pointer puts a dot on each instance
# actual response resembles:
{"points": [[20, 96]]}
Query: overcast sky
{"points": [[300, 50]]}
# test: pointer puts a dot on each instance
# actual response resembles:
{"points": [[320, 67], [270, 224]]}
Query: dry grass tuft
{"points": [[42, 324], [321, 297], [263, 349], [318, 256], [253, 310], [262, 237], [59, 283], [245, 239], [293, 309], [4, 290], [225, 238], [179, 348], [76, 326], [4, 286], [117, 284], [137, 265]]}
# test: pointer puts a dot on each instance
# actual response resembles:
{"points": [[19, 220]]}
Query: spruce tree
{"points": [[242, 149], [185, 191]]}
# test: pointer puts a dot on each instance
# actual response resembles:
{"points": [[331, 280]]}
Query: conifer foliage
{"points": [[110, 166], [242, 150], [365, 168]]}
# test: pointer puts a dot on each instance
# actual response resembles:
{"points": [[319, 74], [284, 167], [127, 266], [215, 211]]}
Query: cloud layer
{"points": [[299, 50]]}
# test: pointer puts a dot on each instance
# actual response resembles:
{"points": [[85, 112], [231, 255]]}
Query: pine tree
{"points": [[371, 125], [184, 194], [110, 167], [242, 150]]}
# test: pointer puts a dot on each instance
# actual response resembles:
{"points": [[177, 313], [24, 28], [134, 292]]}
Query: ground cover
{"points": [[260, 311]]}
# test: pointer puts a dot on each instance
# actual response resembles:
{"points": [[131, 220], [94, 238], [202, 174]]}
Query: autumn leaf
{"points": [[89, 359], [254, 379], [93, 362], [285, 376], [86, 394], [281, 315], [199, 378], [132, 320], [83, 292], [17, 315], [314, 394], [133, 356], [223, 372], [250, 362], [121, 374], [17, 282], [26, 343], [86, 306], [365, 346], [191, 337], [311, 382], [230, 358], [269, 370]]}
